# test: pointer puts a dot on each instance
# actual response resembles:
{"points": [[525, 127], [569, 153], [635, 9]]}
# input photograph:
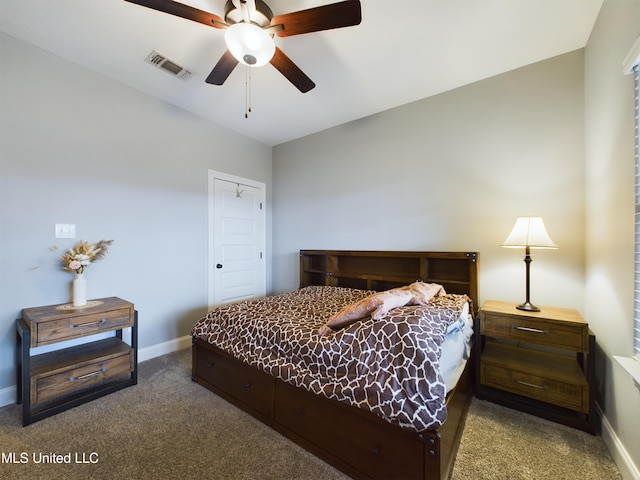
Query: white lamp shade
{"points": [[249, 44], [529, 232]]}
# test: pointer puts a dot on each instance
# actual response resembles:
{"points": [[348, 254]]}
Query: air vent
{"points": [[163, 63]]}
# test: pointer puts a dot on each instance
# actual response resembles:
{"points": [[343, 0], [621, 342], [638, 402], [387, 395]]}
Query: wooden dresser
{"points": [[539, 362], [51, 382]]}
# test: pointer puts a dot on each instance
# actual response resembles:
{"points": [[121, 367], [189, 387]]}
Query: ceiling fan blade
{"points": [[291, 71], [223, 69], [182, 10], [326, 17]]}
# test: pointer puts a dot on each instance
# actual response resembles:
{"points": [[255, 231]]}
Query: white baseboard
{"points": [[621, 457], [8, 395], [159, 349]]}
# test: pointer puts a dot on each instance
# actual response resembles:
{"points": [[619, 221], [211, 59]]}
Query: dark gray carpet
{"points": [[168, 427]]}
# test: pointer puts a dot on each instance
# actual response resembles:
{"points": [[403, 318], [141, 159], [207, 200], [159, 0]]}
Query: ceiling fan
{"points": [[249, 29]]}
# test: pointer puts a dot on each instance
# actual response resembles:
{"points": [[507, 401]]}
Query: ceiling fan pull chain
{"points": [[249, 88], [247, 95], [246, 92]]}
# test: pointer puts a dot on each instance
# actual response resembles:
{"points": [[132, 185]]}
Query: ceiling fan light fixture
{"points": [[250, 44]]}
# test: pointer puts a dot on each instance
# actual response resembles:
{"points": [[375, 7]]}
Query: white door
{"points": [[236, 239]]}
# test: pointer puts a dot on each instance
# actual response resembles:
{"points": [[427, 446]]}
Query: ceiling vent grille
{"points": [[163, 63]]}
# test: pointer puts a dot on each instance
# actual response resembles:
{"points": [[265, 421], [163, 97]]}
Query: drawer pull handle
{"points": [[90, 324], [247, 385], [528, 329], [376, 452], [92, 374], [210, 364], [298, 411], [541, 387]]}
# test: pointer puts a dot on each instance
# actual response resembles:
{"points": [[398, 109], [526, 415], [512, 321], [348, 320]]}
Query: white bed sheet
{"points": [[456, 349]]}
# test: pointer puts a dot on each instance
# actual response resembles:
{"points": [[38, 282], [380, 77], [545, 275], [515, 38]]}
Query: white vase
{"points": [[79, 290]]}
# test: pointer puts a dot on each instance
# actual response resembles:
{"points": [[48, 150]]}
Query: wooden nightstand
{"points": [[49, 383], [542, 363]]}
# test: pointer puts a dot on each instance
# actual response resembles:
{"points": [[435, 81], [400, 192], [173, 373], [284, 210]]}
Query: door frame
{"points": [[212, 176]]}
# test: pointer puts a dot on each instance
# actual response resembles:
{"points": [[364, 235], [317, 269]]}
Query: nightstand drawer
{"points": [[531, 330], [550, 378], [79, 368], [80, 326]]}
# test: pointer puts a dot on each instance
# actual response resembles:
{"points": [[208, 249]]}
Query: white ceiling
{"points": [[403, 51]]}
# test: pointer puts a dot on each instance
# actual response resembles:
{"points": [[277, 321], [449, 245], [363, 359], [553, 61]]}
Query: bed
{"points": [[405, 439]]}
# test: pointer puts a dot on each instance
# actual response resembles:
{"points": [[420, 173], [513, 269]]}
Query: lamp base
{"points": [[528, 306]]}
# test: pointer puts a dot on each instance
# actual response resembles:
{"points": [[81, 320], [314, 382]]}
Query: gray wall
{"points": [[610, 215], [77, 147], [450, 172]]}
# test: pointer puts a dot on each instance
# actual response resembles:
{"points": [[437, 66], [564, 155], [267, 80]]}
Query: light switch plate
{"points": [[65, 230]]}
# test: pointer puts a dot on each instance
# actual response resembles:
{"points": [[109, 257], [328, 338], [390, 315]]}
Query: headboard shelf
{"points": [[372, 277], [382, 270]]}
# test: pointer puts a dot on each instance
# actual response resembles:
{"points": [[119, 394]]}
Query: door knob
{"points": [[219, 265]]}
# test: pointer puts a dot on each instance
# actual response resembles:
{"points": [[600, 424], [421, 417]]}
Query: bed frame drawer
{"points": [[243, 382], [333, 428]]}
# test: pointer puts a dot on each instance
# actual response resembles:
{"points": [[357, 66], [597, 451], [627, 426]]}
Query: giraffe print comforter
{"points": [[389, 366]]}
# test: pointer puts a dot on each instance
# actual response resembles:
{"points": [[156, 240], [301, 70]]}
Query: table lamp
{"points": [[528, 232]]}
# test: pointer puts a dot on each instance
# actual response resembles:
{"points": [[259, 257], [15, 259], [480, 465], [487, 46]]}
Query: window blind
{"points": [[636, 326]]}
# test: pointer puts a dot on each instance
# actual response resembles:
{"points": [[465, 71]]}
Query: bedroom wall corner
{"points": [[609, 128], [449, 172], [81, 148]]}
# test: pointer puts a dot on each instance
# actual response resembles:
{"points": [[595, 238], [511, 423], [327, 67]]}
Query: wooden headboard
{"points": [[382, 270]]}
